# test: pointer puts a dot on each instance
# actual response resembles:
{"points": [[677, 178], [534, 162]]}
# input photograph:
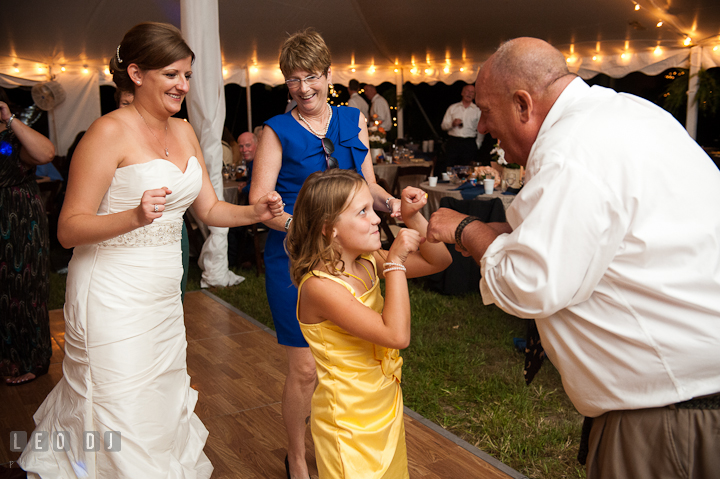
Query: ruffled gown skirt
{"points": [[125, 378]]}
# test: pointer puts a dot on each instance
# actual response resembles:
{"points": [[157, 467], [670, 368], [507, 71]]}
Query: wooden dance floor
{"points": [[239, 370]]}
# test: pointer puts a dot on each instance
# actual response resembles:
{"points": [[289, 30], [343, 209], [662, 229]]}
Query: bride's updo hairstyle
{"points": [[150, 46], [323, 196]]}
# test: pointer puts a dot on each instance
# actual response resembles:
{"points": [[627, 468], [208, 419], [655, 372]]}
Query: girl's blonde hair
{"points": [[323, 196]]}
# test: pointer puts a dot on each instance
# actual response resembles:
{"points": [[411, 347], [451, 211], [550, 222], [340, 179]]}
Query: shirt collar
{"points": [[575, 89]]}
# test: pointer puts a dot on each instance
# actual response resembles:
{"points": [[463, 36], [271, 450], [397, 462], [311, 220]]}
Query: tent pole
{"points": [[399, 111], [247, 96], [692, 105]]}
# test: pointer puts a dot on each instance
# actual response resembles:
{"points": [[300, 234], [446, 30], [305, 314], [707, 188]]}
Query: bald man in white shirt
{"points": [[460, 122], [379, 108], [620, 269]]}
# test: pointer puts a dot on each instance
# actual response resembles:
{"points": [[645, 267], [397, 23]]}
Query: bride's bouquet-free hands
{"points": [[268, 207], [152, 205]]}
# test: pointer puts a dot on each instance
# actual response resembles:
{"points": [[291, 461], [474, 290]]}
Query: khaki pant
{"points": [[658, 443]]}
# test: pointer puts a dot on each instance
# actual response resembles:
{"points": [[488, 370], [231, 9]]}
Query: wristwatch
{"points": [[458, 231], [387, 203], [287, 223]]}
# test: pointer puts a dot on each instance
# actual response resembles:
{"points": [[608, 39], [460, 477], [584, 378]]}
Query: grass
{"points": [[462, 372]]}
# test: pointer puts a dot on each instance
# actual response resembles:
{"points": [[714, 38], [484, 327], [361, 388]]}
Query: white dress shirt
{"points": [[615, 250], [379, 106], [356, 101], [470, 117]]}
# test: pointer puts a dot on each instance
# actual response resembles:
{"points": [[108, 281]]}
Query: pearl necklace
{"points": [[312, 130], [167, 153]]}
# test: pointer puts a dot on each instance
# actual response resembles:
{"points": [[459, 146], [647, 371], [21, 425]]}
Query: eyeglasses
{"points": [[329, 148], [294, 83]]}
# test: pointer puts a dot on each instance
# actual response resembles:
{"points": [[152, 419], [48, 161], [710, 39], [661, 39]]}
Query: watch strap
{"points": [[458, 231]]}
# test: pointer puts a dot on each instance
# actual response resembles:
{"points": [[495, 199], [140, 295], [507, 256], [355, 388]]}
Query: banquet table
{"points": [[388, 171], [435, 193], [230, 191]]}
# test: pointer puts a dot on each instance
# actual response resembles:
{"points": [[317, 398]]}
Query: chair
{"points": [[385, 219], [259, 232], [463, 275], [410, 176]]}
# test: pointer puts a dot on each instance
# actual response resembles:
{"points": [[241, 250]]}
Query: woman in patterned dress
{"points": [[25, 346]]}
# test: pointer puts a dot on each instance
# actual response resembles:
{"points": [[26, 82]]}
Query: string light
{"points": [[687, 41], [85, 69], [225, 72], [624, 55], [254, 69], [659, 23], [657, 50], [62, 68], [17, 70], [637, 7], [107, 70]]}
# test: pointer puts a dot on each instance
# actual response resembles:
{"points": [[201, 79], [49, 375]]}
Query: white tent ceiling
{"points": [[418, 37], [371, 40]]}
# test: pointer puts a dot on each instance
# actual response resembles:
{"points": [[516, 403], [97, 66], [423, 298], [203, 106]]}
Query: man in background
{"points": [[356, 101], [460, 121], [379, 109], [241, 248], [123, 98], [247, 143], [619, 268]]}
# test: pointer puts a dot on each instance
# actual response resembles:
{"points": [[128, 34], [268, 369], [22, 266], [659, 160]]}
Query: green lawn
{"points": [[461, 372]]}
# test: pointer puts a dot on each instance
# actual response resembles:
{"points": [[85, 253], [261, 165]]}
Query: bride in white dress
{"points": [[124, 374]]}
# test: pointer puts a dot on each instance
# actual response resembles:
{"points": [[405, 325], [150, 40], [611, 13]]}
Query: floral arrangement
{"points": [[377, 135], [484, 172], [498, 154]]}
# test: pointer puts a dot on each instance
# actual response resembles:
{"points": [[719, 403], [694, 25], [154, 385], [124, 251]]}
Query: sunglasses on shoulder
{"points": [[329, 149]]}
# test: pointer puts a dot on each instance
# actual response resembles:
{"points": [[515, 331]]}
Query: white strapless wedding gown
{"points": [[125, 361]]}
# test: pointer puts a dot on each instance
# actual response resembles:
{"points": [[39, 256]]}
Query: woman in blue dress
{"points": [[313, 136]]}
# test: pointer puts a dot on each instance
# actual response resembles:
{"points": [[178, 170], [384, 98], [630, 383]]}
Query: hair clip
{"points": [[117, 54]]}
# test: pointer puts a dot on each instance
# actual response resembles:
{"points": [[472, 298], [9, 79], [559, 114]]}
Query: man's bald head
{"points": [[515, 90], [248, 145], [528, 64]]}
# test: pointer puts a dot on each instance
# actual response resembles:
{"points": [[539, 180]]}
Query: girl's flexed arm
{"points": [[431, 257]]}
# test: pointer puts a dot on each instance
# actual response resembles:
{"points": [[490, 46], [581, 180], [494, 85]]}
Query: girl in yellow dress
{"points": [[334, 247]]}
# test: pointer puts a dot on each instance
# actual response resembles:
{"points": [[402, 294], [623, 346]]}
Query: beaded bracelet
{"points": [[390, 266], [386, 271], [9, 121], [387, 203]]}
